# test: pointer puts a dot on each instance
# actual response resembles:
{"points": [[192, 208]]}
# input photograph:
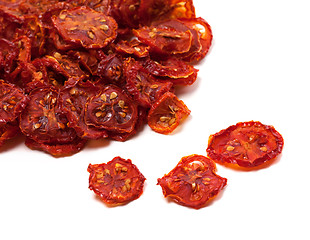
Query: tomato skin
{"points": [[246, 144], [193, 182], [117, 182]]}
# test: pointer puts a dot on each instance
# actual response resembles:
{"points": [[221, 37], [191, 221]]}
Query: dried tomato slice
{"points": [[111, 109], [12, 102], [167, 113], [247, 144], [84, 26], [144, 88], [111, 69], [64, 65], [74, 100], [43, 119], [193, 182], [173, 69], [165, 39], [117, 182], [205, 37]]}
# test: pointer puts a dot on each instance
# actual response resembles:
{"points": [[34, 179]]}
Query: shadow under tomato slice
{"points": [[117, 182], [167, 113], [193, 182], [247, 144]]}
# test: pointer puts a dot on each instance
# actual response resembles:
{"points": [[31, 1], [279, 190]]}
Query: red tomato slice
{"points": [[192, 182], [247, 144]]}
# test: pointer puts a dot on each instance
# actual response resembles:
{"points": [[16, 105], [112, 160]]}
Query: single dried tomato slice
{"points": [[167, 113], [117, 182], [74, 100], [111, 109], [111, 69], [193, 182], [84, 26], [55, 149], [173, 69], [247, 144], [43, 120], [12, 102], [64, 65], [165, 39], [144, 87], [205, 37]]}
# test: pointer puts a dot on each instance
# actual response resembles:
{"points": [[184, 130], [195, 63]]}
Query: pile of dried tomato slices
{"points": [[77, 70]]}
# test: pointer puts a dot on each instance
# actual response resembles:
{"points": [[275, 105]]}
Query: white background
{"points": [[257, 69]]}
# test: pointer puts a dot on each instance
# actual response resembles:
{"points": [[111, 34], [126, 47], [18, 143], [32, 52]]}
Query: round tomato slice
{"points": [[193, 182], [167, 113], [247, 144], [73, 101], [43, 120], [116, 182], [84, 26], [111, 109]]}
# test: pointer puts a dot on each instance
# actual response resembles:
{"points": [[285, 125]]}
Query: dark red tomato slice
{"points": [[111, 69], [12, 102], [173, 69], [144, 87], [111, 109], [116, 182], [167, 113], [8, 131], [74, 101], [193, 182], [84, 26], [247, 144], [165, 40], [43, 120], [204, 37], [57, 150]]}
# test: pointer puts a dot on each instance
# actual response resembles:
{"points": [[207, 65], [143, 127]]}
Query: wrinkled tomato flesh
{"points": [[246, 144], [117, 182], [193, 182]]}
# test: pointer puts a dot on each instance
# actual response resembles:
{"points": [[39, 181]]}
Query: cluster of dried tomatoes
{"points": [[77, 70], [193, 182]]}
